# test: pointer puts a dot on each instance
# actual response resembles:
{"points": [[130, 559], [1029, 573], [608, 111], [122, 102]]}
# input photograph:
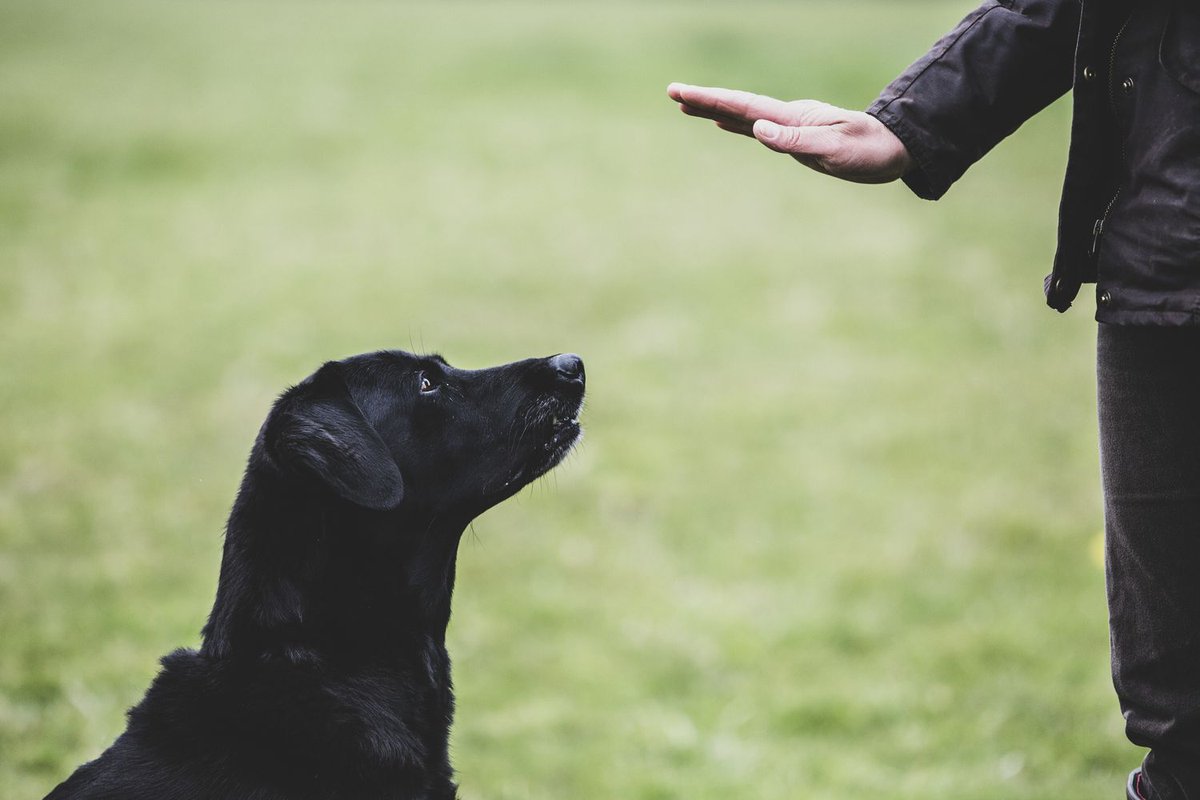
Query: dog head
{"points": [[391, 430]]}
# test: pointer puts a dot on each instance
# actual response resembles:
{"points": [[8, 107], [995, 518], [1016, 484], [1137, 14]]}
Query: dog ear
{"points": [[323, 433]]}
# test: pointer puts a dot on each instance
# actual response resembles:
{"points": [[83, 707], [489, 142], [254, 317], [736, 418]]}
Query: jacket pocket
{"points": [[1179, 51]]}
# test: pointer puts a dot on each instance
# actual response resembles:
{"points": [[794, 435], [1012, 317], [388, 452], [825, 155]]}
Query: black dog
{"points": [[323, 671]]}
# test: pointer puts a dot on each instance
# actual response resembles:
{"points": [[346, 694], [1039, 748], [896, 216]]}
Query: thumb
{"points": [[790, 140]]}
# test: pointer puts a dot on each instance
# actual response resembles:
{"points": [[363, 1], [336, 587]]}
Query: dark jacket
{"points": [[1130, 213]]}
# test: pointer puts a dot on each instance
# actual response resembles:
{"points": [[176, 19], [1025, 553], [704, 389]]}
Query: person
{"points": [[1129, 221]]}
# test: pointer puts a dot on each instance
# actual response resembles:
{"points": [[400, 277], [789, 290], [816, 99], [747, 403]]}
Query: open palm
{"points": [[851, 145]]}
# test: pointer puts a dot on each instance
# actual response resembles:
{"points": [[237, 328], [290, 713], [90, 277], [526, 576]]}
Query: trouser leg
{"points": [[1148, 382]]}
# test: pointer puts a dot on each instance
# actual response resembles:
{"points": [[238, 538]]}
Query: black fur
{"points": [[323, 671]]}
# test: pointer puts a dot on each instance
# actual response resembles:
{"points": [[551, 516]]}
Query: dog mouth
{"points": [[565, 432], [555, 431]]}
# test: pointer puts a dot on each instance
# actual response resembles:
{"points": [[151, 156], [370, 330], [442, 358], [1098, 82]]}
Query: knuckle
{"points": [[790, 138]]}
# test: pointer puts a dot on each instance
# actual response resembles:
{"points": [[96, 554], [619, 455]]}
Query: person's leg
{"points": [[1148, 382]]}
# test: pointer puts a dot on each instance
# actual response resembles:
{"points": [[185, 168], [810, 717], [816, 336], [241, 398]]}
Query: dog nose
{"points": [[568, 366]]}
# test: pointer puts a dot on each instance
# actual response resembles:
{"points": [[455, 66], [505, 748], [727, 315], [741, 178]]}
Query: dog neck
{"points": [[329, 582]]}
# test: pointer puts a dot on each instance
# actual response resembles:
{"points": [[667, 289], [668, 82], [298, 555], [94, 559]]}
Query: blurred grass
{"points": [[833, 529]]}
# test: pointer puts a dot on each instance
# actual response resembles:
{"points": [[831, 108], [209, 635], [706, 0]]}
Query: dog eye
{"points": [[427, 386]]}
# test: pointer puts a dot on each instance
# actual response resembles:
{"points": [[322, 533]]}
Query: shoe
{"points": [[1133, 789]]}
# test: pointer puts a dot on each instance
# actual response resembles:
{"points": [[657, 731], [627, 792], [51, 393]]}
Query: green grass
{"points": [[833, 531]]}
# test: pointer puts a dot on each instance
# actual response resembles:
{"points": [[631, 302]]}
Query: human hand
{"points": [[851, 145]]}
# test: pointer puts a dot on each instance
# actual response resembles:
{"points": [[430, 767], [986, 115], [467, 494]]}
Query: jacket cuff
{"points": [[923, 176]]}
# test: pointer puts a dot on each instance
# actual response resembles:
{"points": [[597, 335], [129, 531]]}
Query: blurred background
{"points": [[835, 527]]}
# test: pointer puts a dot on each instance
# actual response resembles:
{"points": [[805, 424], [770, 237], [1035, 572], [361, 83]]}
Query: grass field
{"points": [[834, 531]]}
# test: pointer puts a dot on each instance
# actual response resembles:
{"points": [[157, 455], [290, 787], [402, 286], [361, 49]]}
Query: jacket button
{"points": [[1105, 299], [1088, 73], [1127, 84]]}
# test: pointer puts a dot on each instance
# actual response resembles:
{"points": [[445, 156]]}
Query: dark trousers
{"points": [[1148, 382]]}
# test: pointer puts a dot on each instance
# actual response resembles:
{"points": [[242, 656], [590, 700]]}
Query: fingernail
{"points": [[765, 129]]}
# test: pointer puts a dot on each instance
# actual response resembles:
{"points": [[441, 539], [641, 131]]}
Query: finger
{"points": [[735, 127], [732, 103], [724, 122], [818, 141], [701, 113]]}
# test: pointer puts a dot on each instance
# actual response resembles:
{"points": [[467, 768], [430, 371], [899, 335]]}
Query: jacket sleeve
{"points": [[1006, 61]]}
